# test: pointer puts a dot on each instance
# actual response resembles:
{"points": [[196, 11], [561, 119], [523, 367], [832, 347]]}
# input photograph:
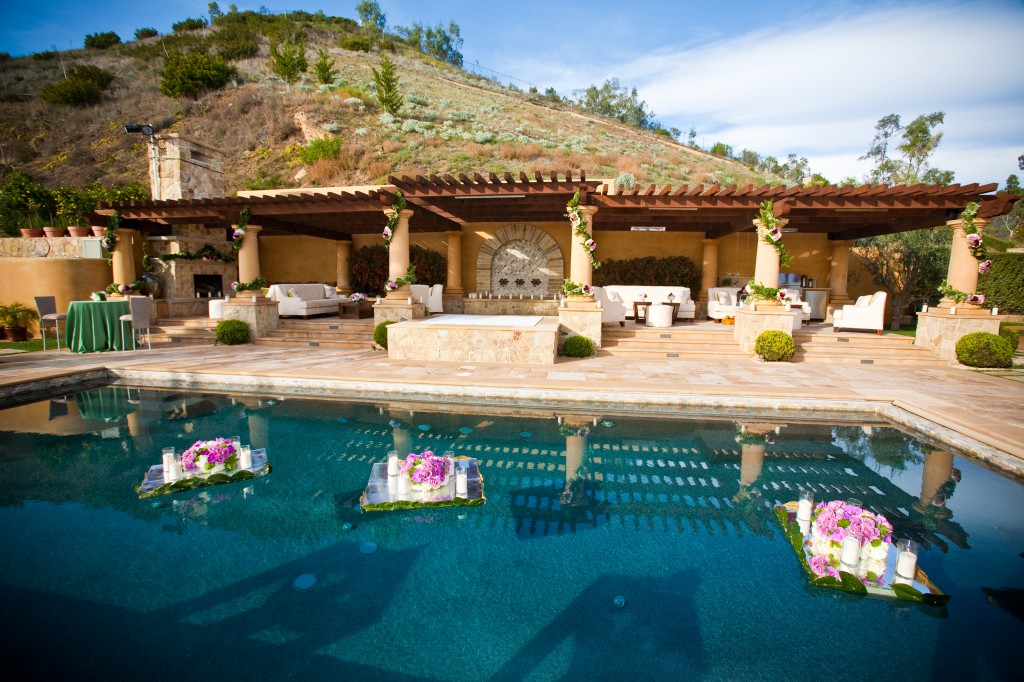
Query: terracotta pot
{"points": [[31, 233], [79, 230], [16, 333], [54, 232], [98, 231]]}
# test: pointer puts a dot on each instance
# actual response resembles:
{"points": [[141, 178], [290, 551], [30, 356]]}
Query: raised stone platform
{"points": [[510, 306], [470, 338]]}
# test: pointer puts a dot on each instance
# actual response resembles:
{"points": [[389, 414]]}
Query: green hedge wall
{"points": [[369, 268], [650, 271], [1003, 284]]}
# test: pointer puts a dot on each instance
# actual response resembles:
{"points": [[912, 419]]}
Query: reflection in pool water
{"points": [[673, 516]]}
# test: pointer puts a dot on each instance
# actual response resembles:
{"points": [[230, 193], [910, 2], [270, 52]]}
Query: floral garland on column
{"points": [[396, 209], [239, 234], [408, 278], [974, 242], [109, 240], [579, 228], [771, 233]]}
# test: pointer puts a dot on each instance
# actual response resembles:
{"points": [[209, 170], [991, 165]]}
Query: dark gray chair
{"points": [[139, 319], [48, 316]]}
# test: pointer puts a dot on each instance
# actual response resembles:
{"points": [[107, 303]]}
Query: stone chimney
{"points": [[184, 168]]}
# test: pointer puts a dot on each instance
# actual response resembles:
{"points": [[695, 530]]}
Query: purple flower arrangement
{"points": [[426, 470], [983, 266], [831, 523], [357, 297], [391, 285], [977, 299], [208, 456]]}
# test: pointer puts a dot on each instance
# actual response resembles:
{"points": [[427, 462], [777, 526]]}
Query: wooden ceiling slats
{"points": [[695, 190], [713, 189]]}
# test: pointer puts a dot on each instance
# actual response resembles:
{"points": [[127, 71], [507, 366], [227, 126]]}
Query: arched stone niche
{"points": [[520, 259]]}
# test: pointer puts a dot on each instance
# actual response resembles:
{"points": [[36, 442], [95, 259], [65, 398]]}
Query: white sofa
{"points": [[625, 295], [432, 296], [868, 313], [305, 299], [612, 310], [722, 302]]}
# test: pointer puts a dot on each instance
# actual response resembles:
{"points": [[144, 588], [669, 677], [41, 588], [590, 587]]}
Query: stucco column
{"points": [[766, 268], [249, 254], [402, 438], [344, 251], [840, 272], [580, 270], [453, 283], [123, 257], [938, 468], [751, 464], [963, 267], [708, 270], [398, 254], [259, 429]]}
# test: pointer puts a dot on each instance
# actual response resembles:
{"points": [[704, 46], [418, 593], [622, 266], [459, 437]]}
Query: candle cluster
{"points": [[847, 537]]}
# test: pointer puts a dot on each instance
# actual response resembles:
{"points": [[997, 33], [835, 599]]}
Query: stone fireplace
{"points": [[184, 278]]}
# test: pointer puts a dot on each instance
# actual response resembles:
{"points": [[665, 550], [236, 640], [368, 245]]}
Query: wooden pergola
{"points": [[445, 203]]}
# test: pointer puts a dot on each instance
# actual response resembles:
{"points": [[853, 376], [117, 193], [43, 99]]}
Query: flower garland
{"points": [[831, 522], [579, 228], [206, 455], [408, 278], [207, 253], [974, 241], [569, 431], [960, 296], [570, 288], [123, 289], [392, 225], [239, 234], [109, 240], [98, 296], [426, 470], [252, 285], [771, 233]]}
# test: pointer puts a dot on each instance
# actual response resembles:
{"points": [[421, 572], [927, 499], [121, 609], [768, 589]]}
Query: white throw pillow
{"points": [[863, 301], [722, 297], [329, 291]]}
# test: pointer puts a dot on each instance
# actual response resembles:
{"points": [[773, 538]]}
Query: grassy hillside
{"points": [[452, 122]]}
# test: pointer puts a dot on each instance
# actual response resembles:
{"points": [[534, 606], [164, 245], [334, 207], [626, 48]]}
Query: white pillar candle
{"points": [[805, 526], [254, 298], [905, 564], [393, 464], [995, 311], [850, 556], [403, 485], [924, 308], [245, 458], [408, 301], [168, 460], [175, 473], [952, 311], [392, 485], [461, 482], [803, 511]]}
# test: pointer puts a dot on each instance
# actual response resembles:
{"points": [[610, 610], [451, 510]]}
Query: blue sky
{"points": [[810, 78]]}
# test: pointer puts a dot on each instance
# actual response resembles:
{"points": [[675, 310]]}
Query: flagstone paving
{"points": [[986, 407]]}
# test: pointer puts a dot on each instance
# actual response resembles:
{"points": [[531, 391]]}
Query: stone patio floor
{"points": [[986, 410]]}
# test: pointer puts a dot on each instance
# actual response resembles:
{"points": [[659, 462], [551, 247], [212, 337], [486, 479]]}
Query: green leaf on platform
{"points": [[852, 583]]}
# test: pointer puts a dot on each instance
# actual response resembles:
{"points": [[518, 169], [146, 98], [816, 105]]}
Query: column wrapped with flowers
{"points": [[238, 236], [770, 231], [976, 245], [579, 228], [392, 224]]}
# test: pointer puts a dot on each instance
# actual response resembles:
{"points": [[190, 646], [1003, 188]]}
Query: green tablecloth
{"points": [[108, 402], [95, 325]]}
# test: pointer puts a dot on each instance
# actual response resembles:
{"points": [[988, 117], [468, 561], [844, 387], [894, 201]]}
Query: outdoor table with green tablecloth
{"points": [[95, 325]]}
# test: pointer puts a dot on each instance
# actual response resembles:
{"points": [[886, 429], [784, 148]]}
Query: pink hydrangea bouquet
{"points": [[209, 456], [830, 524], [426, 470]]}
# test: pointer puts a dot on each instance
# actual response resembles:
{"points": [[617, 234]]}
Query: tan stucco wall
{"points": [[624, 245], [67, 279], [298, 259]]}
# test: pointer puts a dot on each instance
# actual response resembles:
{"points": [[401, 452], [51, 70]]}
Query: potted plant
{"points": [[15, 318], [29, 229], [54, 231], [72, 204]]}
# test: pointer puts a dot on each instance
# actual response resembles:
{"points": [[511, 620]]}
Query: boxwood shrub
{"points": [[232, 332], [982, 349], [775, 345], [1011, 334], [380, 334], [1003, 284], [577, 346]]}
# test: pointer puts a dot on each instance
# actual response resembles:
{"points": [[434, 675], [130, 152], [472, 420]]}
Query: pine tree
{"points": [[388, 95], [288, 61], [323, 67]]}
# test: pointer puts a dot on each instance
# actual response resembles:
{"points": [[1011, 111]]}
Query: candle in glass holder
{"points": [[168, 460], [245, 457], [805, 506], [924, 308], [461, 482], [805, 525], [175, 472], [236, 443], [952, 310], [906, 559], [850, 556], [393, 463], [995, 311], [403, 485]]}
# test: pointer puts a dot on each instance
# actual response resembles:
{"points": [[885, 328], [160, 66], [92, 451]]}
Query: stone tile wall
{"points": [[532, 345], [583, 319], [43, 247], [750, 324], [507, 306], [939, 331], [261, 316], [520, 251]]}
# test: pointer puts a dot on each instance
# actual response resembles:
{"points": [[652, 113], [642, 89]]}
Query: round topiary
{"points": [[380, 334], [1011, 335], [577, 346], [231, 332], [775, 346], [982, 349]]}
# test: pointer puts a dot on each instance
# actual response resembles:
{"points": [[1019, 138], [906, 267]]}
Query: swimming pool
{"points": [[672, 515]]}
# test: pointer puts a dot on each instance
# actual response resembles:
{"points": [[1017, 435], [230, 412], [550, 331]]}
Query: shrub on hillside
{"points": [[73, 92], [232, 332], [775, 345], [88, 72], [354, 44], [650, 271], [982, 349], [188, 25], [323, 148], [189, 74], [369, 268], [236, 41], [45, 55], [577, 346], [380, 334], [143, 33], [1003, 284], [101, 41]]}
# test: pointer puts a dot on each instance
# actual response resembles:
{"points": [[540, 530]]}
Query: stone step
{"points": [[315, 343], [860, 341], [333, 335], [703, 354], [913, 360]]}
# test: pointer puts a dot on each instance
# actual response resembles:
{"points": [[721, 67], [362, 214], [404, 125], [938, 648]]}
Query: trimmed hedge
{"points": [[380, 334], [775, 346], [1003, 284], [1010, 334], [232, 332], [982, 349], [577, 346], [650, 271], [369, 268]]}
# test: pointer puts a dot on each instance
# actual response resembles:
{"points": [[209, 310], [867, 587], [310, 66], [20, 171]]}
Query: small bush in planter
{"points": [[775, 346], [232, 332], [380, 334], [577, 346], [982, 349]]}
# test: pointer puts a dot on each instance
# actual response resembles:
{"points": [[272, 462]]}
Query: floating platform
{"points": [[154, 484], [382, 494]]}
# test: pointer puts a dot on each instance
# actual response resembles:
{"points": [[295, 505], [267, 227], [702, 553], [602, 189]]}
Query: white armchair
{"points": [[722, 302], [868, 313], [431, 296], [612, 307]]}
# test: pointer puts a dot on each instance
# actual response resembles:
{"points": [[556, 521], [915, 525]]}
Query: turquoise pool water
{"points": [[672, 515]]}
